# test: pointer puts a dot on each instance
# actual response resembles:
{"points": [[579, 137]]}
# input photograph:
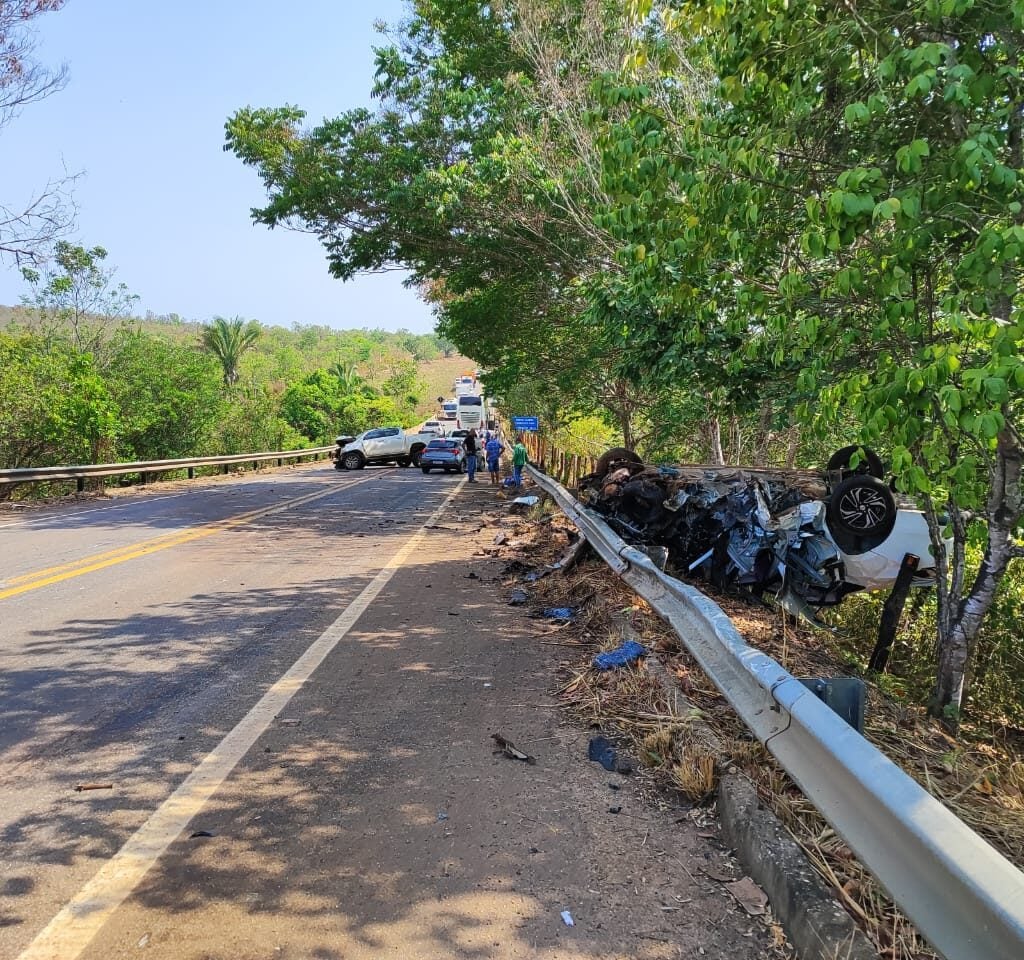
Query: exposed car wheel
{"points": [[404, 461], [415, 458], [353, 461], [870, 463], [425, 468], [616, 457], [861, 513], [461, 468], [338, 465]]}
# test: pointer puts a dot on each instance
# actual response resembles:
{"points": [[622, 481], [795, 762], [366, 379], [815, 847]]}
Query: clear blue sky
{"points": [[142, 118]]}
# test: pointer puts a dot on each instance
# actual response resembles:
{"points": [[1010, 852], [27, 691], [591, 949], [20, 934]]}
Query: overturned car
{"points": [[807, 538]]}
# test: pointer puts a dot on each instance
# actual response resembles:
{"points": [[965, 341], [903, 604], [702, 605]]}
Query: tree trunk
{"points": [[715, 437], [626, 427], [958, 630], [764, 428], [735, 440], [792, 447]]}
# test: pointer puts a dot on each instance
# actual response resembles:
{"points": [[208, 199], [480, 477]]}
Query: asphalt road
{"points": [[297, 667]]}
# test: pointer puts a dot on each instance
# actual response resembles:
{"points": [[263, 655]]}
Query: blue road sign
{"points": [[531, 424]]}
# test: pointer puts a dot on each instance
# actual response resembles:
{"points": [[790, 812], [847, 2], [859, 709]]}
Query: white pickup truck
{"points": [[380, 445]]}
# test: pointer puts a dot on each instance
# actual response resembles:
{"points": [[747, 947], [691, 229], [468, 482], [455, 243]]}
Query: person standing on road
{"points": [[518, 461], [493, 450], [469, 444]]}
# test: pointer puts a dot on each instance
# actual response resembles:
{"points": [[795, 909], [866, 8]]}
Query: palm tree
{"points": [[345, 372], [228, 340]]}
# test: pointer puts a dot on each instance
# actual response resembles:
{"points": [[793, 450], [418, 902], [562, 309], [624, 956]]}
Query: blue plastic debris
{"points": [[601, 750], [559, 613], [619, 657]]}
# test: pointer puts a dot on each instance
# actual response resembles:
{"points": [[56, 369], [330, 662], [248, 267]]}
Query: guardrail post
{"points": [[255, 464], [80, 484], [224, 468], [280, 461], [191, 473], [143, 477]]}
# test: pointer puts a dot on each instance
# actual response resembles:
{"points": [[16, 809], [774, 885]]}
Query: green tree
{"points": [[56, 407], [845, 209], [75, 296], [313, 406], [228, 341], [168, 395]]}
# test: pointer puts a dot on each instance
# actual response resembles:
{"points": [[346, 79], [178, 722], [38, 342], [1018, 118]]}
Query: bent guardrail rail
{"points": [[82, 472], [961, 893]]}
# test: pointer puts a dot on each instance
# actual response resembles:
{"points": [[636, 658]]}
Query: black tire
{"points": [[353, 461], [616, 457], [425, 468], [338, 465], [870, 463], [404, 461], [414, 457], [861, 513], [461, 468]]}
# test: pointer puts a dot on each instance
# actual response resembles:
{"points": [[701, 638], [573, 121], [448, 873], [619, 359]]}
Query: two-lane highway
{"points": [[284, 688], [138, 632]]}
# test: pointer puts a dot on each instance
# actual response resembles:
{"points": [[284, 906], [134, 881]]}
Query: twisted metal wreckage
{"points": [[805, 538]]}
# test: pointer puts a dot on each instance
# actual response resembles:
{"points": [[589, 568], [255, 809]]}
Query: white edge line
{"points": [[75, 926]]}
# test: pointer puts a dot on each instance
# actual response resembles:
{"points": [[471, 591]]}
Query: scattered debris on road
{"points": [[629, 651], [201, 834], [509, 749], [518, 597], [567, 919], [565, 614], [93, 786], [601, 750], [530, 501], [749, 896]]}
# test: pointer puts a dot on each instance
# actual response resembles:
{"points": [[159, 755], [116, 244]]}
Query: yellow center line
{"points": [[100, 561], [71, 564], [68, 934]]}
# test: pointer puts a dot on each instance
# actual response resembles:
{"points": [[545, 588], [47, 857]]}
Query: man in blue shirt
{"points": [[493, 449]]}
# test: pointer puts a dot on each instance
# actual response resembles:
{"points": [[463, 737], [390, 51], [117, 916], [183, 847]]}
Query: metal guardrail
{"points": [[82, 472], [961, 893]]}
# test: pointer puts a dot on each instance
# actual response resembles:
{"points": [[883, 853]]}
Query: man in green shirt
{"points": [[518, 461]]}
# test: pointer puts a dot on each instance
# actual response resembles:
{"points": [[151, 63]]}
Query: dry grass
{"points": [[686, 743]]}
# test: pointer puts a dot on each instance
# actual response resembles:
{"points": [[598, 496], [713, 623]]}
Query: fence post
{"points": [[191, 473]]}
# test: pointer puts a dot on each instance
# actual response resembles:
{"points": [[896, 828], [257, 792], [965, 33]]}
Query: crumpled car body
{"points": [[764, 531]]}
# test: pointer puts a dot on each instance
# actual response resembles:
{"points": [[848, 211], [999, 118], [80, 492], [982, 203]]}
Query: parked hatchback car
{"points": [[444, 454], [433, 426]]}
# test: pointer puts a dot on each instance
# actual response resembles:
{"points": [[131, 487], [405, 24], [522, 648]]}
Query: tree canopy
{"points": [[803, 220]]}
